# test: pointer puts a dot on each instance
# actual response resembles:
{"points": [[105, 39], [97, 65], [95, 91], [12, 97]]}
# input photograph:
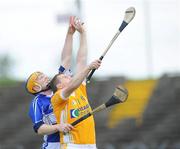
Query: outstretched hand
{"points": [[77, 24], [95, 64]]}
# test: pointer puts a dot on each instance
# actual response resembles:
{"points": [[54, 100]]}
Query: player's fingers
{"points": [[99, 61], [76, 21], [70, 126], [96, 66], [73, 21], [66, 130]]}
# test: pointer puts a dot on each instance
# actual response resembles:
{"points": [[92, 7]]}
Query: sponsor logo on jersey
{"points": [[74, 113], [80, 111], [84, 107]]}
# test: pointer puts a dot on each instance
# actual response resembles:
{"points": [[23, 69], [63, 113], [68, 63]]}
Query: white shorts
{"points": [[78, 146], [52, 145]]}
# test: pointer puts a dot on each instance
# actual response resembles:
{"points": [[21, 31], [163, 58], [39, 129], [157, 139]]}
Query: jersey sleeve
{"points": [[36, 114], [57, 98]]}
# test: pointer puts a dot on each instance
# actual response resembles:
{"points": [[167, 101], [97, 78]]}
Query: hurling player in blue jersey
{"points": [[41, 112]]}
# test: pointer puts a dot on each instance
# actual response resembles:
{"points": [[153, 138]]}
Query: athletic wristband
{"points": [[61, 69]]}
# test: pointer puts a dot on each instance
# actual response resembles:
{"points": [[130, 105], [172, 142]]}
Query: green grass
{"points": [[8, 82]]}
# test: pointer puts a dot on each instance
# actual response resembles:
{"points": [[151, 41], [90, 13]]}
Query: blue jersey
{"points": [[41, 112]]}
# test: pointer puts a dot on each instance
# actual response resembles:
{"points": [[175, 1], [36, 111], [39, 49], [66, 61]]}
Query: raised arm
{"points": [[81, 59], [67, 49], [82, 52], [78, 78]]}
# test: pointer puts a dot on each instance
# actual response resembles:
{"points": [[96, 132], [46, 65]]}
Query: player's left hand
{"points": [[78, 25]]}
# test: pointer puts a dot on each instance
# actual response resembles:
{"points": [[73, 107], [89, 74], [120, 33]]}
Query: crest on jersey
{"points": [[74, 113], [74, 102]]}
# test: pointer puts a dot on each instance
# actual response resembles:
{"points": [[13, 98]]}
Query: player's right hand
{"points": [[95, 64], [64, 127]]}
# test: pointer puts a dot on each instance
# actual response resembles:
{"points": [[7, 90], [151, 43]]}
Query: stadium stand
{"points": [[149, 119]]}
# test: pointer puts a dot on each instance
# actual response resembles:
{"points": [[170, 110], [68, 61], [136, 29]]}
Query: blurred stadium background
{"points": [[145, 59]]}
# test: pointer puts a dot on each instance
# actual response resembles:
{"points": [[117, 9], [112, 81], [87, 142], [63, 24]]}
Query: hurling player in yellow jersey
{"points": [[40, 109], [70, 100]]}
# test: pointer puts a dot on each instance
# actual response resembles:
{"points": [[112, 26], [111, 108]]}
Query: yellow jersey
{"points": [[71, 109]]}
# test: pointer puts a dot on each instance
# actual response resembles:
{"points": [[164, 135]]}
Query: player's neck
{"points": [[48, 92]]}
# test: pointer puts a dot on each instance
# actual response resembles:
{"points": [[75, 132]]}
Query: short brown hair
{"points": [[53, 83]]}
